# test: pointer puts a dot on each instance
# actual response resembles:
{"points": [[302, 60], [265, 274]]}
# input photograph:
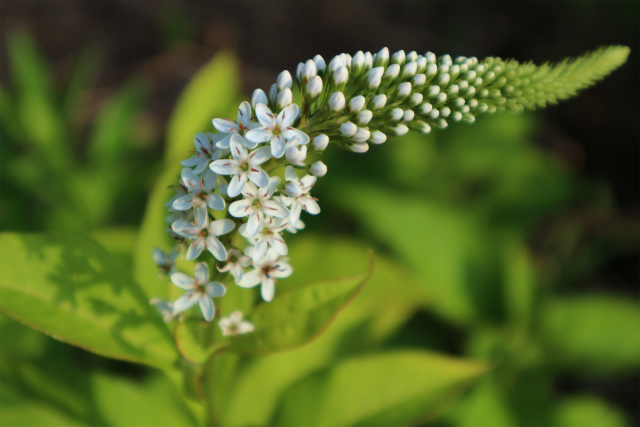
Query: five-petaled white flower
{"points": [[297, 195], [198, 197], [204, 237], [268, 238], [199, 290], [243, 166], [276, 130], [166, 262], [241, 127], [266, 272], [234, 325], [257, 204], [205, 153], [236, 262]]}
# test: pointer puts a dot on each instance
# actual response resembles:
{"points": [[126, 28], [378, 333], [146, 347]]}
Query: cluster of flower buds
{"points": [[254, 176]]}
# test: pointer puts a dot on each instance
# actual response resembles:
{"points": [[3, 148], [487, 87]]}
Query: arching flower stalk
{"points": [[352, 102]]}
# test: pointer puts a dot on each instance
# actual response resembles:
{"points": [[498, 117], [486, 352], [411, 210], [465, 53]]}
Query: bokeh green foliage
{"points": [[458, 297]]}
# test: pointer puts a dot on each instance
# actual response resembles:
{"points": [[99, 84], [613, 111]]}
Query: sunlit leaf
{"points": [[593, 334], [69, 287], [588, 411], [378, 390], [296, 317]]}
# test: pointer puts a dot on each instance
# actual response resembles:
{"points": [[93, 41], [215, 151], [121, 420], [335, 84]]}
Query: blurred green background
{"points": [[514, 240]]}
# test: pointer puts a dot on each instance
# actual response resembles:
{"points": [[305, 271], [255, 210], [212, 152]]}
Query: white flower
{"points": [[164, 308], [198, 197], [199, 290], [241, 127], [204, 237], [266, 272], [297, 195], [256, 205], [166, 262], [236, 262], [276, 130], [234, 325], [205, 153], [268, 238], [243, 166]]}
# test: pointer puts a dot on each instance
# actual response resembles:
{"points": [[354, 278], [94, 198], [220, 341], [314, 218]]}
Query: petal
{"points": [[310, 205], [201, 141], [185, 302], [260, 250], [244, 113], [240, 208], [191, 161], [236, 316], [236, 185], [288, 115], [282, 270], [245, 328], [265, 116], [277, 146], [272, 208], [225, 125], [216, 248], [296, 210], [224, 141], [195, 249], [215, 202], [206, 307], [185, 202], [202, 165], [191, 180], [221, 226], [215, 289], [259, 156], [274, 181], [292, 133], [238, 150], [201, 273], [254, 225], [201, 217], [279, 245], [183, 281], [268, 289], [210, 178], [159, 256], [258, 176], [249, 143], [259, 135], [185, 228], [250, 279], [224, 166]]}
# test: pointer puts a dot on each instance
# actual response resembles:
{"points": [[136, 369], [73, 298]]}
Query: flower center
{"points": [[276, 130]]}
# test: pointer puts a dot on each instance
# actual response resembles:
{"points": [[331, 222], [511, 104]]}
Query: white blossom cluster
{"points": [[230, 184]]}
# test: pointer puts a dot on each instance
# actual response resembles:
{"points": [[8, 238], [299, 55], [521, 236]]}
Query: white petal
{"points": [[191, 180], [272, 208], [185, 302], [259, 156], [268, 289], [206, 307], [237, 184], [240, 208], [183, 281], [311, 206], [245, 327], [292, 133], [201, 273], [277, 146], [254, 225], [236, 316], [215, 202], [225, 125], [279, 245], [296, 210], [259, 135], [265, 116], [224, 166], [250, 279], [216, 248], [191, 161], [185, 228], [195, 249], [221, 226], [244, 113], [183, 203], [258, 176], [201, 217], [260, 250], [288, 115], [215, 289]]}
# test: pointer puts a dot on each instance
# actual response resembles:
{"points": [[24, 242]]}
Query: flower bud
{"points": [[320, 142], [364, 117], [463, 84], [396, 114], [432, 70], [309, 70], [360, 147], [382, 58], [361, 135], [336, 101], [318, 169], [357, 63], [296, 154], [335, 63], [434, 114], [273, 93], [292, 189], [409, 69], [419, 79], [356, 103], [416, 99], [456, 116], [348, 129], [446, 59], [368, 60], [400, 129], [258, 97], [421, 126], [340, 76], [431, 57], [408, 116], [374, 78], [441, 97], [314, 87], [433, 91], [398, 57], [412, 56], [440, 123], [469, 118], [284, 80], [444, 112], [425, 108], [443, 80], [473, 103], [422, 64], [285, 98], [378, 101], [392, 72], [453, 90], [320, 64], [403, 90], [299, 71], [377, 137]]}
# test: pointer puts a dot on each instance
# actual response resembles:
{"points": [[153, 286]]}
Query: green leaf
{"points": [[378, 390], [485, 406], [118, 241], [388, 300], [588, 411], [593, 334], [449, 250], [520, 283], [298, 316], [212, 92], [69, 287]]}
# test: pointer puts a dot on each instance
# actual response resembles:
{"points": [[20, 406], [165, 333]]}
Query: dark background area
{"points": [[165, 43]]}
